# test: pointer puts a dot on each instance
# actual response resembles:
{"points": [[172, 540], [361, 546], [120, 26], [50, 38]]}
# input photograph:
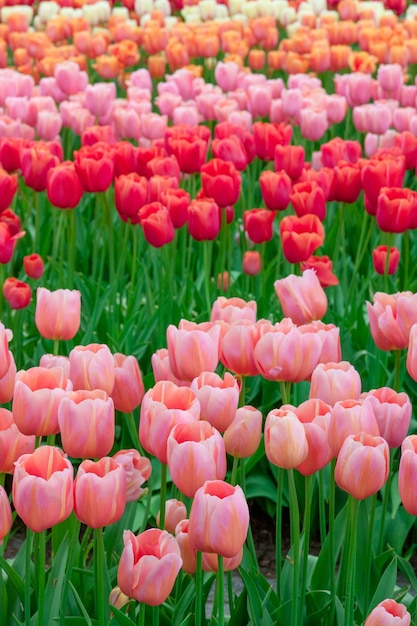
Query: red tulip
{"points": [[204, 219], [221, 181], [300, 236], [322, 265], [63, 186], [290, 159], [8, 187], [379, 259], [33, 265], [275, 189], [258, 224], [308, 197], [94, 166], [156, 223], [267, 136], [17, 293]]}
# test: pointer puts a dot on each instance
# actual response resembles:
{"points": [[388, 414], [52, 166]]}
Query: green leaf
{"points": [[182, 607], [261, 486], [386, 586], [324, 569], [15, 579], [121, 618], [240, 615], [80, 604], [56, 581]]}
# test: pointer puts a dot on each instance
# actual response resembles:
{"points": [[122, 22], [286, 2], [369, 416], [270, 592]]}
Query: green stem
{"points": [[306, 541], [220, 588], [385, 500], [133, 430], [141, 616], [285, 391], [56, 347], [199, 589], [397, 370], [361, 253], [351, 564], [207, 246], [155, 615], [322, 508], [368, 554], [40, 541], [295, 538], [28, 567], [163, 493], [102, 604], [406, 263], [332, 507], [72, 246], [233, 480], [390, 238], [278, 530]]}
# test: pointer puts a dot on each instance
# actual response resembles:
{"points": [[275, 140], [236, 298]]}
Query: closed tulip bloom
{"points": [[43, 488], [94, 166], [13, 443], [177, 202], [408, 474], [302, 298], [362, 465], [308, 197], [156, 223], [137, 469], [36, 162], [38, 393], [389, 613], [17, 293], [164, 406], [5, 514], [379, 259], [175, 512], [193, 348], [268, 136], [100, 492], [86, 422], [231, 309], [58, 313], [275, 189], [117, 598], [190, 151], [204, 219], [149, 565], [386, 171], [7, 382], [333, 382], [221, 181], [290, 159], [395, 209], [130, 195], [258, 224], [128, 389], [391, 317], [237, 347], [218, 398], [285, 439], [300, 236], [33, 265], [8, 188], [162, 370], [393, 413], [252, 262], [350, 417], [219, 519], [92, 367], [243, 436], [52, 360], [195, 453], [5, 354]]}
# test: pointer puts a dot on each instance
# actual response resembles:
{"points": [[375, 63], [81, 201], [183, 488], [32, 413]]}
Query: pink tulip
{"points": [[149, 565], [362, 465], [237, 347], [48, 125], [285, 439], [43, 488], [164, 406], [313, 124], [58, 313], [302, 298], [218, 398], [128, 389], [393, 413], [232, 309], [87, 424], [243, 435], [219, 519], [70, 79], [227, 75], [13, 443], [38, 393], [100, 492], [7, 382], [5, 514], [350, 417], [51, 361], [389, 613], [5, 354], [391, 317], [175, 512], [137, 469], [162, 370], [99, 97], [407, 474], [411, 362], [333, 382], [195, 453], [390, 77], [92, 367], [193, 348]]}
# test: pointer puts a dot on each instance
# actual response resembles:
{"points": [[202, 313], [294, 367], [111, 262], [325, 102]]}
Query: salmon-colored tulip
{"points": [[334, 382], [195, 453], [58, 313], [128, 389], [5, 354], [137, 469], [231, 309], [92, 367], [237, 347], [219, 519], [100, 492], [149, 565], [37, 395], [407, 475], [393, 413], [285, 439], [7, 382], [5, 514], [362, 466], [43, 488], [391, 317], [162, 370], [389, 613], [193, 348], [175, 512], [302, 298], [243, 435], [218, 398], [13, 443], [87, 424], [350, 417], [164, 406]]}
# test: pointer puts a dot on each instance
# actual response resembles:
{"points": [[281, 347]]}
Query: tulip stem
{"points": [[41, 564], [332, 502], [306, 541], [278, 529], [72, 245], [198, 588], [99, 565], [233, 480], [28, 565], [207, 245], [163, 493], [369, 552], [141, 616], [397, 370], [385, 499], [56, 347], [351, 564], [295, 532], [220, 589], [155, 615], [322, 508]]}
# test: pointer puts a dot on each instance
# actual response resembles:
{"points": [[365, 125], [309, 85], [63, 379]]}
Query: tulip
{"points": [[162, 370], [8, 188], [395, 210], [33, 265], [156, 223], [13, 443], [338, 149], [175, 512], [221, 181], [386, 171], [391, 317], [5, 354], [347, 183], [7, 382], [268, 136], [58, 313], [195, 453], [190, 151], [315, 417], [218, 505], [218, 398], [258, 224], [243, 436], [237, 347], [36, 162], [389, 613], [275, 189], [290, 159], [17, 293], [334, 382], [323, 268], [92, 367], [193, 348], [100, 492], [231, 149], [301, 236], [393, 413], [285, 439], [177, 202], [362, 465], [164, 406], [43, 488], [37, 395], [149, 565], [137, 469], [308, 197], [10, 233], [350, 417], [87, 424], [128, 389], [231, 309], [117, 598], [204, 219], [130, 194], [302, 298], [252, 262], [94, 166], [5, 514]]}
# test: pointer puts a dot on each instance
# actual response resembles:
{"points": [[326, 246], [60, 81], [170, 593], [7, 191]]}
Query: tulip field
{"points": [[208, 312]]}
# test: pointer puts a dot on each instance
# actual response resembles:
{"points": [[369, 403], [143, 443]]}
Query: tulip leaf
{"points": [[324, 569], [182, 607], [121, 618], [386, 585], [14, 577], [240, 613], [80, 604], [56, 582], [406, 568], [257, 594], [261, 486], [318, 605]]}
